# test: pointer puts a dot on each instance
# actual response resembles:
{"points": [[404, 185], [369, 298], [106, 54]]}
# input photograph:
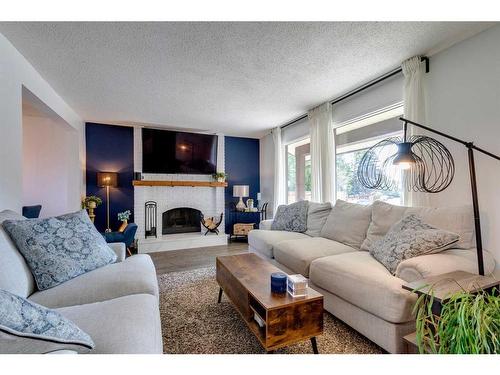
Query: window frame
{"points": [[390, 112], [285, 152]]}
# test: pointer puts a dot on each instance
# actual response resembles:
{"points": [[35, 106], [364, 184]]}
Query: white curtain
{"points": [[322, 154], [279, 170], [415, 110]]}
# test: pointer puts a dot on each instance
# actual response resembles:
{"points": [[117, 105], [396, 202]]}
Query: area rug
{"points": [[194, 323]]}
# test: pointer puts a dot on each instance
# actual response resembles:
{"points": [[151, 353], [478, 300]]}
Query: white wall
{"points": [[463, 88], [50, 165], [16, 72], [267, 172]]}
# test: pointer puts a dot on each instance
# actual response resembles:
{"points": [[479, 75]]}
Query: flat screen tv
{"points": [[165, 151]]}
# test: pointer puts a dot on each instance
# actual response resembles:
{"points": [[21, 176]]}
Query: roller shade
{"points": [[385, 94], [371, 131], [295, 131]]}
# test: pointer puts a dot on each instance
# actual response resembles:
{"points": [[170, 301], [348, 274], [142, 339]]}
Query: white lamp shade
{"points": [[241, 190]]}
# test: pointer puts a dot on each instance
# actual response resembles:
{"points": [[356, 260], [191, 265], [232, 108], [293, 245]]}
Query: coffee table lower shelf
{"points": [[245, 280]]}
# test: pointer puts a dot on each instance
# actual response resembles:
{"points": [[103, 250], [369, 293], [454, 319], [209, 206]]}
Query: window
{"points": [[298, 171], [352, 141]]}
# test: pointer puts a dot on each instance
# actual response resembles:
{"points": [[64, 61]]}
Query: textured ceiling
{"points": [[234, 78]]}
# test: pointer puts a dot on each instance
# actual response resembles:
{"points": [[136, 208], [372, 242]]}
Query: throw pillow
{"points": [[292, 217], [459, 220], [409, 238], [316, 217], [26, 327], [60, 248], [347, 223]]}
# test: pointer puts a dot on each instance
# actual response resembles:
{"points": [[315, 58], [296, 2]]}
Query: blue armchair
{"points": [[32, 212], [127, 236]]}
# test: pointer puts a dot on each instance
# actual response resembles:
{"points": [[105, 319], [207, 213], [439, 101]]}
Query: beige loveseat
{"points": [[357, 288], [117, 305]]}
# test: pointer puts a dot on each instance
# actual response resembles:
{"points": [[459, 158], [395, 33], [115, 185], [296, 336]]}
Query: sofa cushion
{"points": [[28, 328], [135, 275], [347, 223], [60, 248], [447, 261], [359, 279], [409, 238], [125, 325], [297, 255], [263, 241], [15, 275], [292, 217], [459, 220], [316, 217]]}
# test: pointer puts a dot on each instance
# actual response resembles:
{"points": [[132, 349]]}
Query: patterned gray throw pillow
{"points": [[26, 327], [60, 248], [292, 217], [409, 238]]}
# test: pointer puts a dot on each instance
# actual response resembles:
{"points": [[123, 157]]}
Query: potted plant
{"points": [[468, 324], [219, 176], [123, 217], [91, 202]]}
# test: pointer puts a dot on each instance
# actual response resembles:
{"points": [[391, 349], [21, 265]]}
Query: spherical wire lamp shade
{"points": [[423, 163]]}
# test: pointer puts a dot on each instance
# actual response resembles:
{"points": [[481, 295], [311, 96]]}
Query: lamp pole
{"points": [[472, 173], [108, 229]]}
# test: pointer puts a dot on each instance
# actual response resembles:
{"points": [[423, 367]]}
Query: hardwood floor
{"points": [[189, 259]]}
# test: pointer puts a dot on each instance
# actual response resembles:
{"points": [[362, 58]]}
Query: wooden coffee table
{"points": [[246, 281]]}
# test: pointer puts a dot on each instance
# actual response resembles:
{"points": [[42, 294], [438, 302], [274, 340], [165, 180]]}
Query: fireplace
{"points": [[181, 220]]}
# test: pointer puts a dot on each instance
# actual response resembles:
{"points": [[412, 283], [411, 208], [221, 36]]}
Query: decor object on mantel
{"points": [[240, 191], [90, 203], [220, 176], [150, 219], [428, 167], [210, 224], [123, 217], [457, 313], [107, 180]]}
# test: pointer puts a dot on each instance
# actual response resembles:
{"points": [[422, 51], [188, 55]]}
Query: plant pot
{"points": [[221, 179], [91, 204]]}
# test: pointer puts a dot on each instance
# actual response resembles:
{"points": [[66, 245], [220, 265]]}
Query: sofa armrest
{"points": [[451, 260], [119, 249], [266, 224]]}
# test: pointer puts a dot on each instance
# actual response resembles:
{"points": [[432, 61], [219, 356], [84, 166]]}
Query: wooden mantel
{"points": [[179, 183]]}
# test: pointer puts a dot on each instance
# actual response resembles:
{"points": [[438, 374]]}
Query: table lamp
{"points": [[240, 191], [107, 180]]}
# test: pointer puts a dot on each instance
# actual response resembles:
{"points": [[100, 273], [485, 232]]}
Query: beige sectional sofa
{"points": [[117, 305], [357, 288]]}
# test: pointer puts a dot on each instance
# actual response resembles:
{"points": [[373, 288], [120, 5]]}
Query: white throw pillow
{"points": [[347, 223], [316, 217]]}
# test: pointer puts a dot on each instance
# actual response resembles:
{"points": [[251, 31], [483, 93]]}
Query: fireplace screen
{"points": [[181, 220]]}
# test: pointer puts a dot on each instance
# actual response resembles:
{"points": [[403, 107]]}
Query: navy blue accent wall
{"points": [[242, 167], [110, 149]]}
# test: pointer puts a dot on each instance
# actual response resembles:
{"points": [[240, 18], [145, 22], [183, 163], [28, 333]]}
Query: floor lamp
{"points": [[107, 180], [427, 167]]}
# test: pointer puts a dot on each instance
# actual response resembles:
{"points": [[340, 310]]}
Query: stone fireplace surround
{"points": [[208, 200]]}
